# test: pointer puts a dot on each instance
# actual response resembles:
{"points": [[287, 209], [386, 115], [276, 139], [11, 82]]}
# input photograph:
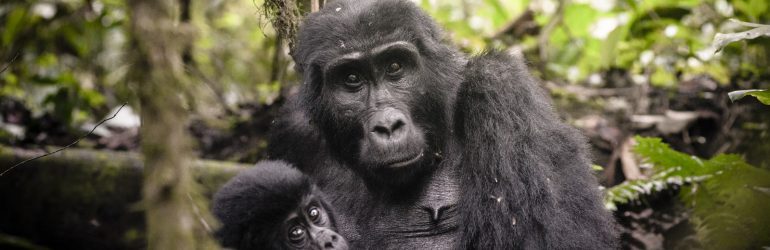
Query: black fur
{"points": [[531, 185], [501, 171], [254, 204]]}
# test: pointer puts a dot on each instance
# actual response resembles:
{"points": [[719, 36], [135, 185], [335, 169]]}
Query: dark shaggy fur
{"points": [[514, 175], [253, 205], [531, 185]]}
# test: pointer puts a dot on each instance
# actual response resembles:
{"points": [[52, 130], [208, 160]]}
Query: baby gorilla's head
{"points": [[274, 206]]}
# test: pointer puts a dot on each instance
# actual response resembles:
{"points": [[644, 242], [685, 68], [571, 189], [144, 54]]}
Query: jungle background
{"points": [[672, 95]]}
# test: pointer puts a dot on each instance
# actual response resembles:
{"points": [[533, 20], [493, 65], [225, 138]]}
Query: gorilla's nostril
{"points": [[382, 130], [334, 238], [396, 125], [328, 245]]}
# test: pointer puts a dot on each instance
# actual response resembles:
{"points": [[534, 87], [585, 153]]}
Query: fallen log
{"points": [[83, 199]]}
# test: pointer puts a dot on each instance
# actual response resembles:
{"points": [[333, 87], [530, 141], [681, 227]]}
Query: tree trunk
{"points": [[174, 219]]}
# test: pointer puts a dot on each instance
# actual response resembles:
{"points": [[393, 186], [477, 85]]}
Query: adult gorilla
{"points": [[420, 147]]}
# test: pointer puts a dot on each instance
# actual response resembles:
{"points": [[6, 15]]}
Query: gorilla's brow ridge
{"points": [[357, 55]]}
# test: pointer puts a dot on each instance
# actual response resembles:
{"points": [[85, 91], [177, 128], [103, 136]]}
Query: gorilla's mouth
{"points": [[404, 161]]}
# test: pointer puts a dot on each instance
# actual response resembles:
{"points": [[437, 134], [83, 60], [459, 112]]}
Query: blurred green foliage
{"points": [[63, 53], [729, 198], [661, 42], [72, 55], [70, 59]]}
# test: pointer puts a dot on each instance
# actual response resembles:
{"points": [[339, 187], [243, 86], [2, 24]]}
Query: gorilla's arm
{"points": [[293, 139], [530, 175]]}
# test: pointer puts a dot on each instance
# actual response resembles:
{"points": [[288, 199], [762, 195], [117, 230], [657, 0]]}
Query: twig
{"points": [[276, 71], [748, 24], [721, 40], [542, 39], [629, 166], [211, 85], [65, 147], [197, 212], [9, 63], [516, 26]]}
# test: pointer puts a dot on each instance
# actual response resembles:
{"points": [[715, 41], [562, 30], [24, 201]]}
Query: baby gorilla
{"points": [[274, 206]]}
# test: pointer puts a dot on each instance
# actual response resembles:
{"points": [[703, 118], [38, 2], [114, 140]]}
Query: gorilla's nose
{"points": [[389, 126], [331, 241]]}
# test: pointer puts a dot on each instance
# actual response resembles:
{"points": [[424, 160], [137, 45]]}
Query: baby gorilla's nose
{"points": [[331, 240]]}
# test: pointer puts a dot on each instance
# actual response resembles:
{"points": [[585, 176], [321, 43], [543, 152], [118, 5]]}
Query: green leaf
{"points": [[13, 25], [653, 4], [762, 95], [500, 14], [752, 8], [729, 198], [610, 46], [578, 19]]}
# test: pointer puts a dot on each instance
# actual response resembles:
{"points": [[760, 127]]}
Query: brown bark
{"points": [[174, 219], [285, 17]]}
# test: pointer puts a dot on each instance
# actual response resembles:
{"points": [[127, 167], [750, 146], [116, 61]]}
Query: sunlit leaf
{"points": [[578, 18], [752, 8], [13, 25], [762, 95], [610, 46]]}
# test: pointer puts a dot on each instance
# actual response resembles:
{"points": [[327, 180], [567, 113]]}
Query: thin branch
{"points": [[630, 168], [549, 28], [198, 214], [748, 24], [9, 63], [721, 40], [213, 86], [65, 147], [517, 27], [276, 70]]}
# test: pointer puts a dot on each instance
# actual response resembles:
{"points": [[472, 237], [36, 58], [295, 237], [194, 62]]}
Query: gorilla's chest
{"points": [[430, 222]]}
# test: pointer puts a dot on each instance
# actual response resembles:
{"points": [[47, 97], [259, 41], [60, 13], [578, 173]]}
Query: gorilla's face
{"points": [[372, 93], [379, 84], [309, 226]]}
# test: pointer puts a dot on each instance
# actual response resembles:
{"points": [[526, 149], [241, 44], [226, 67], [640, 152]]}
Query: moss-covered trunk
{"points": [[174, 219]]}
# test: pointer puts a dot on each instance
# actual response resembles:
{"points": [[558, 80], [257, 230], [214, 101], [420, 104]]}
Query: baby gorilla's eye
{"points": [[394, 67], [315, 214], [297, 234]]}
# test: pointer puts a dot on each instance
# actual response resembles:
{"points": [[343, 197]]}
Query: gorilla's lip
{"points": [[406, 161]]}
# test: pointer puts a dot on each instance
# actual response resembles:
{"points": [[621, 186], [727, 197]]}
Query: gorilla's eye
{"points": [[297, 234], [315, 214], [353, 81], [394, 68], [352, 78]]}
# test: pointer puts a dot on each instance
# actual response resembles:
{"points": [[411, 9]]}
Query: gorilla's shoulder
{"points": [[497, 65]]}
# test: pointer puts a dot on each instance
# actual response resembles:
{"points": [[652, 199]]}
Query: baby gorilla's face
{"points": [[310, 227]]}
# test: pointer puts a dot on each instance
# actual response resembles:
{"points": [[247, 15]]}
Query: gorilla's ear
{"points": [[310, 70], [313, 76]]}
